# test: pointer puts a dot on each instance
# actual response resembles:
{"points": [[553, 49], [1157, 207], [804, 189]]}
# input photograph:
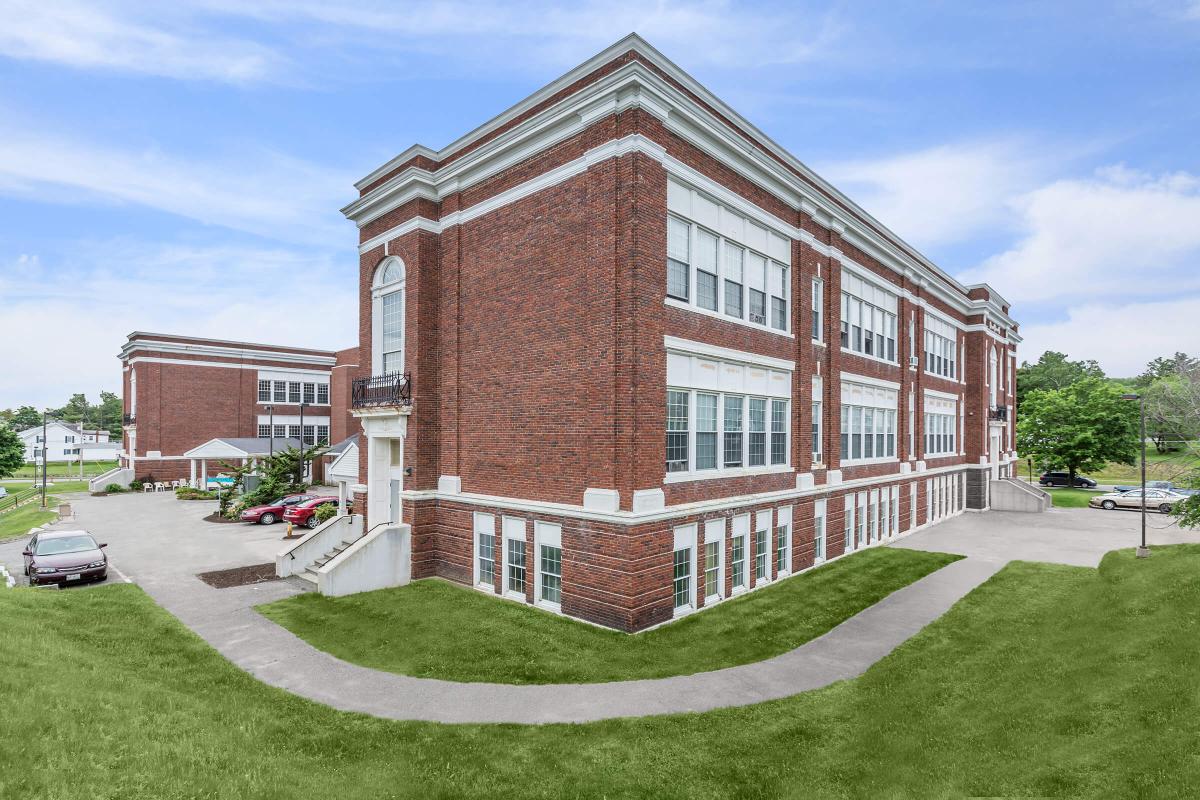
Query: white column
{"points": [[342, 490], [203, 473], [192, 483]]}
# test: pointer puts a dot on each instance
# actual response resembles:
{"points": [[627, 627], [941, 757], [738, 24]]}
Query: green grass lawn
{"points": [[1159, 467], [435, 629], [90, 469], [1071, 498], [16, 523], [57, 485], [1047, 680]]}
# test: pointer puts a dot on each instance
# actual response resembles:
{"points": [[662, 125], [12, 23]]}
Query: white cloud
{"points": [[941, 195], [1122, 337], [266, 193], [91, 36], [76, 315], [1118, 234]]}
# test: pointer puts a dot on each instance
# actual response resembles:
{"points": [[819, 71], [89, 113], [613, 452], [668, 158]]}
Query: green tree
{"points": [[1052, 371], [108, 414], [25, 417], [1161, 368], [1080, 427], [76, 409], [12, 451]]}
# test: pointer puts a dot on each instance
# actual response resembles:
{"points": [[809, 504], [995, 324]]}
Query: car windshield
{"points": [[65, 544], [287, 501]]}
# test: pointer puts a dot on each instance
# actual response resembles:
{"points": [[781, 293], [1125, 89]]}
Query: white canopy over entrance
{"points": [[233, 449]]}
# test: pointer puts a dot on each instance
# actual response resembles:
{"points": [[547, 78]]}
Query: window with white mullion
{"points": [[677, 431], [705, 260], [706, 431], [733, 427], [818, 295], [679, 259], [779, 295], [734, 287], [757, 427]]}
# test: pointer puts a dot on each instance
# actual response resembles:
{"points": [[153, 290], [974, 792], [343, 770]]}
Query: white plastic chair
{"points": [[147, 487]]}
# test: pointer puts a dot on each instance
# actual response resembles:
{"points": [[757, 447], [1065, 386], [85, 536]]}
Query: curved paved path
{"points": [[161, 548]]}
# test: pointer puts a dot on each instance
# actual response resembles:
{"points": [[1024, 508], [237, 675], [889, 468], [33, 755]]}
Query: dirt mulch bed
{"points": [[215, 517], [239, 576]]}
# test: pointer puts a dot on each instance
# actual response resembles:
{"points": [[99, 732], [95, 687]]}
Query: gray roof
{"points": [[341, 447]]}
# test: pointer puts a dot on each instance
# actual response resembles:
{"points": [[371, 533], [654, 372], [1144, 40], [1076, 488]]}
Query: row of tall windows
{"points": [[507, 561], [293, 392], [717, 430]]}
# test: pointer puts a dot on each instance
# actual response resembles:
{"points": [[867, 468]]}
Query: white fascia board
{"points": [[677, 345], [852, 377], [942, 395], [218, 351], [297, 372]]}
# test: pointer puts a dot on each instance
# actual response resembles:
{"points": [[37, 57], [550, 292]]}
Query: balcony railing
{"points": [[998, 414], [129, 419], [380, 391]]}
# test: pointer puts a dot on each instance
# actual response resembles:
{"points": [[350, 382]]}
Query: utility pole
{"points": [[45, 447]]}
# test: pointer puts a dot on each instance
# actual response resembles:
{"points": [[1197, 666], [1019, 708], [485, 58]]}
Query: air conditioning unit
{"points": [[914, 361]]}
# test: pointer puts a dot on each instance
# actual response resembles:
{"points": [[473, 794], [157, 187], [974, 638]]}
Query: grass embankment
{"points": [[1071, 498], [16, 523], [435, 629], [90, 469], [1047, 680], [1172, 467], [56, 485]]}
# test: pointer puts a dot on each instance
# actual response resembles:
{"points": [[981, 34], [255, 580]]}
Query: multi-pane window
{"points": [[294, 431], [682, 577], [737, 566], [734, 438], [860, 520], [868, 319], [779, 431], [868, 418], [310, 434], [885, 513], [677, 431], [818, 300], [706, 431], [782, 549], [872, 517], [516, 566], [551, 573], [264, 431], [487, 558], [816, 432], [819, 530], [323, 394], [279, 393], [294, 392], [734, 288], [678, 258], [728, 277], [310, 393], [280, 431], [322, 434], [264, 391], [392, 329], [760, 554], [706, 270], [940, 430], [758, 432], [712, 569], [941, 357]]}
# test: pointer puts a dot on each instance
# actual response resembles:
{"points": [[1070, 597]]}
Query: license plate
{"points": [[74, 577]]}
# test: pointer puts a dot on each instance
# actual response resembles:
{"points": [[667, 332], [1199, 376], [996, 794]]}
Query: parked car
{"points": [[270, 513], [1159, 499], [1166, 486], [1063, 478], [64, 557], [305, 513], [3, 492]]}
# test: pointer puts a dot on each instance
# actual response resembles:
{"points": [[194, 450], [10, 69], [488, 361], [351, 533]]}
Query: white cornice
{"points": [[677, 345], [218, 351]]}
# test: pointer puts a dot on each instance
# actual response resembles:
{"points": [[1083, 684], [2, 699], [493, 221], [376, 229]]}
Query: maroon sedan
{"points": [[304, 513], [64, 557], [273, 512]]}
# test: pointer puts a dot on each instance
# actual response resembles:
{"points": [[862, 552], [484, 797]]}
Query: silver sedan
{"points": [[1158, 499]]}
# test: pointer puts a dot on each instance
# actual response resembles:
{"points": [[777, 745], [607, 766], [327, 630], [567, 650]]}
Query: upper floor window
{"points": [[818, 300], [941, 425], [264, 391], [941, 349], [868, 423], [387, 310], [868, 319], [323, 394], [722, 276]]}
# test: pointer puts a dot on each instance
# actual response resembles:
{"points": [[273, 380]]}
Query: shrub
{"points": [[114, 488], [188, 493], [326, 512], [136, 485]]}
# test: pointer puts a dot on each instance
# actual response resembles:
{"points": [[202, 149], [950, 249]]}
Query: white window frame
{"points": [[694, 472], [380, 290], [851, 542], [873, 309], [912, 506], [818, 420], [818, 310], [857, 398], [684, 539], [264, 388], [783, 531], [714, 533], [895, 511], [820, 530], [546, 534], [514, 529], [482, 524], [740, 527], [763, 522]]}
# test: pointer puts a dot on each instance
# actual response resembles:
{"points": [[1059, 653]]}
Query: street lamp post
{"points": [[44, 459], [1142, 551], [300, 461], [271, 433]]}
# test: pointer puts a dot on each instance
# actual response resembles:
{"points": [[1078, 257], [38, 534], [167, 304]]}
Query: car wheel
{"points": [[1165, 508], [267, 519], [1108, 505], [312, 523]]}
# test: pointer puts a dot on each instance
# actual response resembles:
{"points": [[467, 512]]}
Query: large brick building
{"points": [[631, 358], [180, 392]]}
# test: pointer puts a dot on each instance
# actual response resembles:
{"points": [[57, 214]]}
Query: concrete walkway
{"points": [[161, 543]]}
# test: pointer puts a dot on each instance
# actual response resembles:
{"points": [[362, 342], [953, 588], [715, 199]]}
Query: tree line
{"points": [[105, 415]]}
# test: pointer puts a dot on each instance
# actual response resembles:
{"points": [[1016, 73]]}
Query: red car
{"points": [[273, 512], [305, 513], [64, 557]]}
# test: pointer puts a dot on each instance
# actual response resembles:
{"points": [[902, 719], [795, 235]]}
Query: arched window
{"points": [[387, 310], [992, 375], [132, 392]]}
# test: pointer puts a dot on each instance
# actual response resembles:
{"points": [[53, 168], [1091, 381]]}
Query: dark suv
{"points": [[1062, 479]]}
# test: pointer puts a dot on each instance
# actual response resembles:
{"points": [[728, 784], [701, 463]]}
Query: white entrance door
{"points": [[994, 454]]}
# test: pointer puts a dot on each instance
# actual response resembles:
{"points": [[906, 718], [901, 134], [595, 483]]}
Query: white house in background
{"points": [[66, 442]]}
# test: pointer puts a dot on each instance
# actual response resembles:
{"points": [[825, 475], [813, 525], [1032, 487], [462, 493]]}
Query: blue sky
{"points": [[179, 167]]}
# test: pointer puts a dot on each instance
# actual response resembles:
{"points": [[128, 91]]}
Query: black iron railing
{"points": [[999, 413], [129, 419], [393, 389]]}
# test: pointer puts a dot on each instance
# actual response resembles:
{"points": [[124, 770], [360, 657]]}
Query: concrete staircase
{"points": [[1014, 494], [309, 573]]}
